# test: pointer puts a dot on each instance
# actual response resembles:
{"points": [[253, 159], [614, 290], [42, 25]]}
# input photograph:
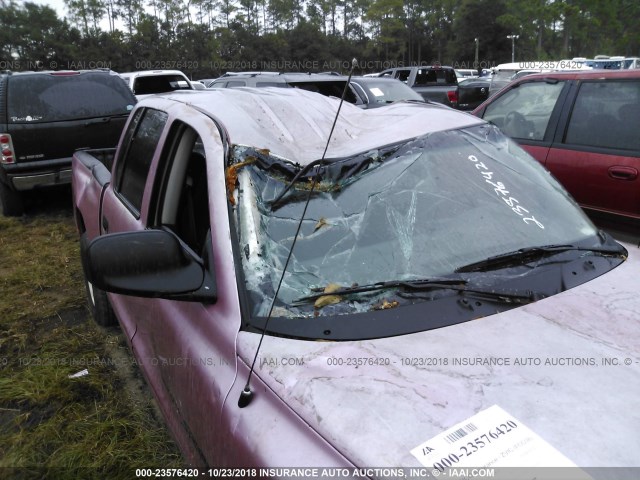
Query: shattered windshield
{"points": [[417, 210]]}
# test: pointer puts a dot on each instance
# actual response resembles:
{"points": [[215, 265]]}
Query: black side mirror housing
{"points": [[149, 263]]}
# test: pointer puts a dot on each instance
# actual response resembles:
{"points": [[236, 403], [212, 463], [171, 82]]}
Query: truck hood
{"points": [[567, 367]]}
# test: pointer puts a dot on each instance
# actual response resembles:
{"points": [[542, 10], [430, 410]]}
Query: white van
{"points": [[613, 63]]}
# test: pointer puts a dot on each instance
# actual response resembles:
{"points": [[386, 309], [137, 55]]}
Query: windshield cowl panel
{"points": [[413, 211], [420, 311]]}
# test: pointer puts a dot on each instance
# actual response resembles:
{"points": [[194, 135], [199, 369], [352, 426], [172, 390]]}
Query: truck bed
{"points": [[91, 175]]}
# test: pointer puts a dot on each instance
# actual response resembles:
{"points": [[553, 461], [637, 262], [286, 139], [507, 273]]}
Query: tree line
{"points": [[205, 38]]}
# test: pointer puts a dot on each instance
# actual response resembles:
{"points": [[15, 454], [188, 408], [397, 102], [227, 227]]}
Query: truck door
{"points": [[187, 348]]}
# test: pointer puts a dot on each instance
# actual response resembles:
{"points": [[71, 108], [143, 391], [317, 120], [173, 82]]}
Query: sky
{"points": [[61, 9], [57, 5]]}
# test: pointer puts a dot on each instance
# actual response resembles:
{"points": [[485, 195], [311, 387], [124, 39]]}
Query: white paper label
{"points": [[377, 92], [491, 438]]}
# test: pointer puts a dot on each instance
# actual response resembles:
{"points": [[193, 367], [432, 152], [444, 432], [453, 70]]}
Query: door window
{"points": [[183, 200], [606, 115], [141, 140], [431, 76], [524, 112]]}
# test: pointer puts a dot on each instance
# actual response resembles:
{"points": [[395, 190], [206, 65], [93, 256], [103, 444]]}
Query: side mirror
{"points": [[149, 263]]}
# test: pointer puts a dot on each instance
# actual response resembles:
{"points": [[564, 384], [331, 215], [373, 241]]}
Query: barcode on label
{"points": [[459, 433]]}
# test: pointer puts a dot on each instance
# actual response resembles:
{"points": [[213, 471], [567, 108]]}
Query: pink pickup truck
{"points": [[446, 303]]}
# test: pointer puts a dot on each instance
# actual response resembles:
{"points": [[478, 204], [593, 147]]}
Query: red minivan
{"points": [[584, 127]]}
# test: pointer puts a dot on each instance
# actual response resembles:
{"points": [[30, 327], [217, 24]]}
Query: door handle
{"points": [[620, 172]]}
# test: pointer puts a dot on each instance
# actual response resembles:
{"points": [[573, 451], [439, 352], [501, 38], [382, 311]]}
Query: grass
{"points": [[40, 271], [51, 424]]}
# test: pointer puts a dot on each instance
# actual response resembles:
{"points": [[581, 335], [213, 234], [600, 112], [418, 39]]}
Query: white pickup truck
{"points": [[149, 82]]}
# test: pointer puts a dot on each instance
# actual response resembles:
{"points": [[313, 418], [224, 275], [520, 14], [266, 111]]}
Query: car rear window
{"points": [[159, 84], [434, 76], [50, 97]]}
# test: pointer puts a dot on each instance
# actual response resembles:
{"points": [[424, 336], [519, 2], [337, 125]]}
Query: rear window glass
{"points": [[50, 98], [159, 84], [427, 76]]}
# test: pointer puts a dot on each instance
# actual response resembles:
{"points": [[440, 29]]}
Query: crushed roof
{"points": [[295, 124]]}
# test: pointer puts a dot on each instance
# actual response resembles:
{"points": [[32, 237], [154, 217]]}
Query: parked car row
{"points": [[46, 116], [434, 83], [365, 92], [565, 120]]}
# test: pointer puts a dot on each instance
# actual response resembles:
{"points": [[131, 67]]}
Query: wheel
{"points": [[97, 299], [12, 203]]}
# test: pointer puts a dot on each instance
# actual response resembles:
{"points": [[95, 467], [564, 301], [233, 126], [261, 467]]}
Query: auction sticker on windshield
{"points": [[491, 438]]}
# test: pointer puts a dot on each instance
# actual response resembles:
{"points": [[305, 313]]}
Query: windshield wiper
{"points": [[525, 255], [460, 285]]}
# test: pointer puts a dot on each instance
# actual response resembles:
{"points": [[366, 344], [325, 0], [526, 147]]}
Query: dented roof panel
{"points": [[295, 124]]}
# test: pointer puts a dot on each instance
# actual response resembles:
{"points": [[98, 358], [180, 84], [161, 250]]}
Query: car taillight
{"points": [[453, 97], [6, 147]]}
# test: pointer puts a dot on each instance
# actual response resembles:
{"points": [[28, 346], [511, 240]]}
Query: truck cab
{"points": [[435, 83]]}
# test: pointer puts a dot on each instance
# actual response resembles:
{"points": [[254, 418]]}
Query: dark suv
{"points": [[45, 117]]}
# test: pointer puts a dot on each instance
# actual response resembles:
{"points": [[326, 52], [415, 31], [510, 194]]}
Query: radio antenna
{"points": [[247, 395]]}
